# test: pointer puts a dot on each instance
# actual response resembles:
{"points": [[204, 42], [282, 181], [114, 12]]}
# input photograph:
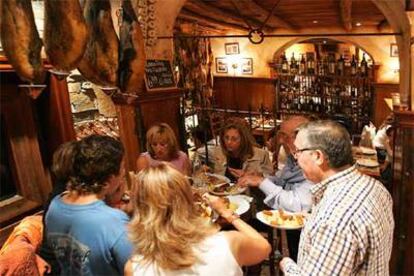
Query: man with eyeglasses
{"points": [[350, 229], [287, 189]]}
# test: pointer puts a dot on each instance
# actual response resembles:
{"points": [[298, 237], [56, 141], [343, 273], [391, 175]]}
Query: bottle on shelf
{"points": [[364, 66], [284, 64], [331, 64], [293, 65], [341, 66], [354, 66], [302, 66], [320, 68], [310, 64]]}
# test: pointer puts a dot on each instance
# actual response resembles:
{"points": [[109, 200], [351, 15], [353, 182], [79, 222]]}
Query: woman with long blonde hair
{"points": [[170, 237]]}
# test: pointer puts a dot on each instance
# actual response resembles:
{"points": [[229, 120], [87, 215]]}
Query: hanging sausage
{"points": [[65, 33], [100, 60], [20, 39], [132, 52]]}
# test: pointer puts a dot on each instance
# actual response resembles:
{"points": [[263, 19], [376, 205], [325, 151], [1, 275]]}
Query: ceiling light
{"points": [[358, 24], [315, 21], [324, 42]]}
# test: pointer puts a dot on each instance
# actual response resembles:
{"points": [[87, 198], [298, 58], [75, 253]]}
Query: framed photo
{"points": [[232, 48], [221, 65], [393, 50], [247, 66]]}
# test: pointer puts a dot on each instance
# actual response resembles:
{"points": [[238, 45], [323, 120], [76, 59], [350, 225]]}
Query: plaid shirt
{"points": [[350, 229]]}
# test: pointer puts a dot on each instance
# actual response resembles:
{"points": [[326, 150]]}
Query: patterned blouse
{"points": [[350, 229]]}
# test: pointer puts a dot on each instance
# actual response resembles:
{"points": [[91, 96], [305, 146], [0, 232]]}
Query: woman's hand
{"points": [[216, 203], [236, 172]]}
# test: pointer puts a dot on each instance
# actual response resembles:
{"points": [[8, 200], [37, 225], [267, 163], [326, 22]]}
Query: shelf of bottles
{"points": [[325, 88]]}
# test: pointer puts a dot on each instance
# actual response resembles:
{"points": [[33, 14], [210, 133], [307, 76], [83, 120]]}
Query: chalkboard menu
{"points": [[159, 75]]}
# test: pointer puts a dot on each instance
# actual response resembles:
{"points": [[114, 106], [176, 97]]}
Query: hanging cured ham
{"points": [[66, 33], [20, 39], [100, 60], [132, 52]]}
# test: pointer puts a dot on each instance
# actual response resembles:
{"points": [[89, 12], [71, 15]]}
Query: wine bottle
{"points": [[302, 66], [310, 64], [341, 66], [354, 66], [293, 65], [364, 66], [331, 65], [285, 65]]}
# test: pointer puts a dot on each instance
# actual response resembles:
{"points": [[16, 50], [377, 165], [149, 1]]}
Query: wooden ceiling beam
{"points": [[261, 14], [199, 7], [345, 10], [383, 25], [208, 10], [191, 16]]}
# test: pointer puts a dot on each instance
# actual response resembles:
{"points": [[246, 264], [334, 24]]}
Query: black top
{"points": [[234, 163]]}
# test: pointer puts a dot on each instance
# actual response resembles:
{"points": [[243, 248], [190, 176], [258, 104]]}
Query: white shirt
{"points": [[215, 258]]}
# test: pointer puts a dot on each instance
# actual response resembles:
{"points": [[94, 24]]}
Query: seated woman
{"points": [[238, 154], [162, 146], [170, 237]]}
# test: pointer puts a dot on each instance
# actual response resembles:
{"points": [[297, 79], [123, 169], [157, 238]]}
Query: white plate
{"points": [[219, 176], [367, 163], [275, 213], [242, 205], [235, 191], [367, 151]]}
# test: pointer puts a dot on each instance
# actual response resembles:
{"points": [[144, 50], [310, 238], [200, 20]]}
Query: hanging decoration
{"points": [[193, 59]]}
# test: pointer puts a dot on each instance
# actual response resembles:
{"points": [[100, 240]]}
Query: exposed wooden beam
{"points": [[261, 14], [206, 10], [383, 25], [345, 9], [200, 28], [191, 16], [209, 10]]}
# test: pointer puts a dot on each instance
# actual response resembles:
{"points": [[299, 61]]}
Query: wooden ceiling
{"points": [[289, 16]]}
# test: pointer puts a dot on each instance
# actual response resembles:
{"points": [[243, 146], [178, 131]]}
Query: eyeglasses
{"points": [[231, 138], [297, 151]]}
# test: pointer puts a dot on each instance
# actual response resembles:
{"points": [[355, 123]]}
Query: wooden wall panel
{"points": [[381, 110], [242, 93]]}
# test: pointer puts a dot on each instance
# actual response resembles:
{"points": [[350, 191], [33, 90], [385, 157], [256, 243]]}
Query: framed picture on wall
{"points": [[393, 50], [247, 66], [232, 48], [221, 65]]}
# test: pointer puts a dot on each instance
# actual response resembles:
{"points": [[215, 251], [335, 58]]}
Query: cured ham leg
{"points": [[66, 33], [132, 52], [100, 60], [20, 39]]}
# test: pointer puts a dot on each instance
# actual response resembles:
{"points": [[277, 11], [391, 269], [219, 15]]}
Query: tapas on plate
{"points": [[281, 219], [226, 189]]}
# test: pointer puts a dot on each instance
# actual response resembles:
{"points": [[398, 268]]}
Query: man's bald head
{"points": [[288, 129]]}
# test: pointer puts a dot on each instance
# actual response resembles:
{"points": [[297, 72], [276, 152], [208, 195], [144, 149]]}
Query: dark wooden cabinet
{"points": [[403, 194]]}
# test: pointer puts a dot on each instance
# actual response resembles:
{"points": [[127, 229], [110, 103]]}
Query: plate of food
{"points": [[367, 163], [281, 219], [226, 189], [211, 179], [238, 204], [367, 151]]}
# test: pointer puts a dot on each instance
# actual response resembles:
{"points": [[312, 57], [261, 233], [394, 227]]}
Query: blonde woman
{"points": [[171, 238], [162, 146]]}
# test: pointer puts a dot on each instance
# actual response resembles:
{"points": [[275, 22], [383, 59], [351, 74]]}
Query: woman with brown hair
{"points": [[171, 238], [238, 154], [162, 146]]}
